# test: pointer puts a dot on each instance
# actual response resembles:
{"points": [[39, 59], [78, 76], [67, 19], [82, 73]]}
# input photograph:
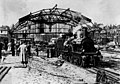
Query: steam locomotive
{"points": [[84, 57], [78, 51], [81, 58]]}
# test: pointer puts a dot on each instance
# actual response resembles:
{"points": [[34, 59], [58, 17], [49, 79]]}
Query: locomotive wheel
{"points": [[80, 61], [96, 61], [68, 58], [65, 56], [86, 61], [75, 60], [72, 59], [82, 64]]}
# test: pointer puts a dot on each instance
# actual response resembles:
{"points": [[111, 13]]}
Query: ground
{"points": [[43, 70]]}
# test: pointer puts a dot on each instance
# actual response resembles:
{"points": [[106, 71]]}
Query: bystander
{"points": [[1, 47], [23, 56]]}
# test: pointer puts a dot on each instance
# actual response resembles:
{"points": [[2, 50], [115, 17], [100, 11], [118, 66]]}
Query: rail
{"points": [[102, 76], [106, 76]]}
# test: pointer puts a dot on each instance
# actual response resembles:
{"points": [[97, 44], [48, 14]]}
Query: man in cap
{"points": [[59, 47]]}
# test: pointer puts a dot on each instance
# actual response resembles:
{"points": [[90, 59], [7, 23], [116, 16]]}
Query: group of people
{"points": [[66, 40], [4, 47], [23, 50]]}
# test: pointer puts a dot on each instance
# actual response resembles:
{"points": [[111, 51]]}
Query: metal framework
{"points": [[49, 17]]}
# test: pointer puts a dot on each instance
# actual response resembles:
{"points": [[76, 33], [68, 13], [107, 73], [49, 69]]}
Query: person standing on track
{"points": [[59, 45], [23, 57], [1, 47]]}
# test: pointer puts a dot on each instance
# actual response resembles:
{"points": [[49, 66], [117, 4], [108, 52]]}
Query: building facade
{"points": [[4, 33]]}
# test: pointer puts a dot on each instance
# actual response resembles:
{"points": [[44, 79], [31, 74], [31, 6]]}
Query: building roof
{"points": [[4, 28]]}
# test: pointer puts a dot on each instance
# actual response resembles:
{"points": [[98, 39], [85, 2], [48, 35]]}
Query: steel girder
{"points": [[50, 17]]}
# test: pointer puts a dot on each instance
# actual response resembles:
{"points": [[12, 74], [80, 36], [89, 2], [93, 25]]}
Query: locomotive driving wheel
{"points": [[79, 61], [96, 61], [82, 64]]}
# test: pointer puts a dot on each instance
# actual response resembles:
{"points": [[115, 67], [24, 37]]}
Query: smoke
{"points": [[13, 9]]}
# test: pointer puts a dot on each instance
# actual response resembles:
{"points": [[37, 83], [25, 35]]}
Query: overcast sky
{"points": [[100, 11]]}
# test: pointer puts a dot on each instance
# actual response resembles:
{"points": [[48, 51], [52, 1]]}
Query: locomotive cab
{"points": [[91, 55]]}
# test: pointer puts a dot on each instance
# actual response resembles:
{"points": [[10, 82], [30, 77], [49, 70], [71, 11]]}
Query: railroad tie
{"points": [[105, 76], [3, 71]]}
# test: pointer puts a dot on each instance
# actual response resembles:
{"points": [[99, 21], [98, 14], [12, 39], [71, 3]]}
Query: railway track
{"points": [[3, 71], [112, 77], [62, 74]]}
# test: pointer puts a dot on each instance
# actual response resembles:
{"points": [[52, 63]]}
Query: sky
{"points": [[100, 11]]}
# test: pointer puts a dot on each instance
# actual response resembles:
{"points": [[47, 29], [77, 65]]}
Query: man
{"points": [[59, 47], [69, 47], [1, 47], [23, 57]]}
